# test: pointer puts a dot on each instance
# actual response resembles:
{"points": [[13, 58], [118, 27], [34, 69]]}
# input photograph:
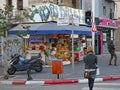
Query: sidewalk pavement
{"points": [[107, 73]]}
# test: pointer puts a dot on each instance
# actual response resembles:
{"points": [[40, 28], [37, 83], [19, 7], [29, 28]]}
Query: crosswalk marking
{"points": [[104, 86], [110, 84], [98, 88]]}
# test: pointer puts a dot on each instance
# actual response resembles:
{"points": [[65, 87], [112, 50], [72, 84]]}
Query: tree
{"points": [[7, 20]]}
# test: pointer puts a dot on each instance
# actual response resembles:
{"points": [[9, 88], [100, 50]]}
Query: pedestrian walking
{"points": [[111, 49], [90, 61]]}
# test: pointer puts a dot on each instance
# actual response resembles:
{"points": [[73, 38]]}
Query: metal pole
{"points": [[73, 46], [58, 76], [93, 17]]}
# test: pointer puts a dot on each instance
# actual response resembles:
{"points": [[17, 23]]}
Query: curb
{"points": [[54, 82]]}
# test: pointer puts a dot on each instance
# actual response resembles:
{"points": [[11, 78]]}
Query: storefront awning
{"points": [[50, 28]]}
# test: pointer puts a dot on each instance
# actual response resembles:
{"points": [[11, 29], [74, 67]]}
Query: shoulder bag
{"points": [[86, 74]]}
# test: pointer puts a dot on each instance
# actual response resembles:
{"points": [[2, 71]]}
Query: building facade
{"points": [[18, 4], [103, 8], [109, 8], [106, 11]]}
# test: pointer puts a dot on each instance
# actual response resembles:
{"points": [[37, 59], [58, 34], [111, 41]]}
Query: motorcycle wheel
{"points": [[39, 68], [11, 70]]}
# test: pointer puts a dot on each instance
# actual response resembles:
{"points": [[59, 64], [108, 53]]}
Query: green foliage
{"points": [[18, 18], [6, 19], [26, 13], [1, 14], [8, 9]]}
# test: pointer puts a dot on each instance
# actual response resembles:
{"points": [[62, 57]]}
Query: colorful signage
{"points": [[109, 23], [51, 12]]}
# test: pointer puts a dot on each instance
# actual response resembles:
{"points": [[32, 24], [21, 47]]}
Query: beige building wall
{"points": [[71, 4], [118, 10], [2, 2], [68, 3], [117, 40], [117, 32]]}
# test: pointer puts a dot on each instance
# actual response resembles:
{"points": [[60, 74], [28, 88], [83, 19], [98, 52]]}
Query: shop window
{"points": [[20, 4]]}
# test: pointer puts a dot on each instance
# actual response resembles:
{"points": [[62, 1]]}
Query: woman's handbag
{"points": [[86, 74]]}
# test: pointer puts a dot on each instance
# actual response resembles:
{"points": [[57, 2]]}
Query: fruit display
{"points": [[62, 52]]}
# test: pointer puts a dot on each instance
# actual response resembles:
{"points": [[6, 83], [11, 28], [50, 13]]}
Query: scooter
{"points": [[18, 63]]}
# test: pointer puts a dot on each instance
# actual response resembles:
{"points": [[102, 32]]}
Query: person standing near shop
{"points": [[111, 49], [90, 61]]}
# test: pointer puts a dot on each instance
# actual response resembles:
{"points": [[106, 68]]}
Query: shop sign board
{"points": [[75, 36], [62, 21], [109, 23], [36, 38]]}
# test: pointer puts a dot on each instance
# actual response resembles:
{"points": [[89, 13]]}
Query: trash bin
{"points": [[57, 67]]}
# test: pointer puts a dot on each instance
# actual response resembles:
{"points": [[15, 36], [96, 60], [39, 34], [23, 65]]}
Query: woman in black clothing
{"points": [[90, 61]]}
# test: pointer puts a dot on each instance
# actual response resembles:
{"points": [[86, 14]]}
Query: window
{"points": [[20, 4], [111, 14], [104, 10], [9, 2], [74, 3]]}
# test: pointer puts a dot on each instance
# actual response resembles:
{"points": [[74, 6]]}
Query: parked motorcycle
{"points": [[18, 63]]}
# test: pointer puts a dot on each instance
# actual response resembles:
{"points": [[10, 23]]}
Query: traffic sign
{"points": [[94, 28]]}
